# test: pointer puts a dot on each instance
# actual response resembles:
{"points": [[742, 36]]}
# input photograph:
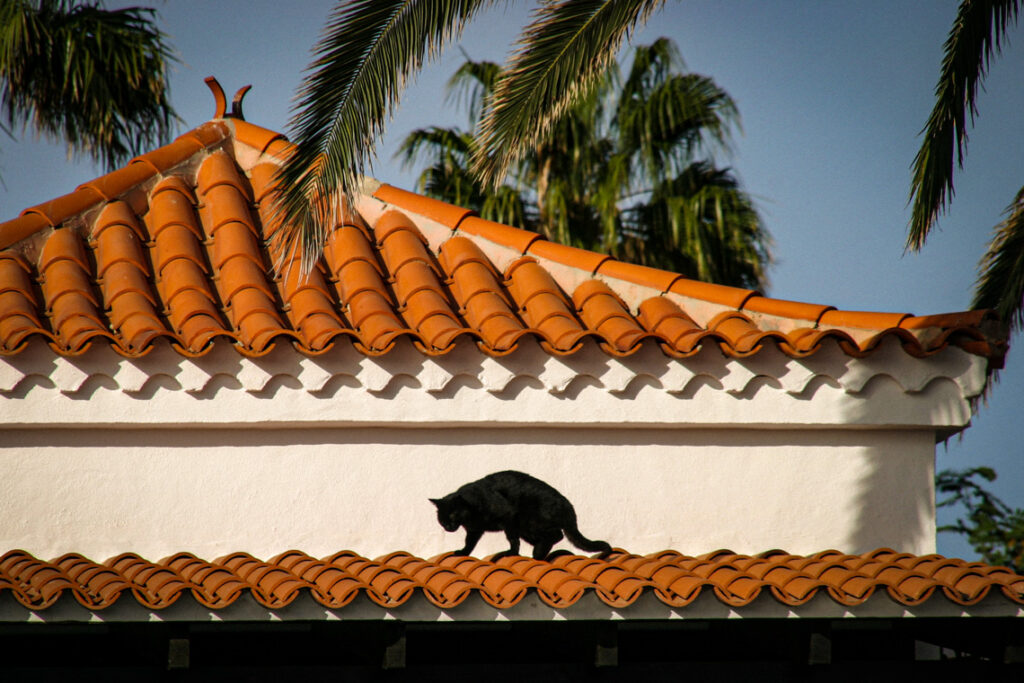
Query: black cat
{"points": [[522, 506]]}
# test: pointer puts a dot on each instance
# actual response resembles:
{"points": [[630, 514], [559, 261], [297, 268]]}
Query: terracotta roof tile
{"points": [[587, 261], [660, 280], [515, 238], [544, 307], [446, 581], [180, 245], [439, 211]]}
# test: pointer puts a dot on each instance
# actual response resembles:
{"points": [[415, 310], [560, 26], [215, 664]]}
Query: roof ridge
{"points": [[113, 185], [851, 326]]}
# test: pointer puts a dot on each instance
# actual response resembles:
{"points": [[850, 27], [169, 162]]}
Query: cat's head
{"points": [[449, 513]]}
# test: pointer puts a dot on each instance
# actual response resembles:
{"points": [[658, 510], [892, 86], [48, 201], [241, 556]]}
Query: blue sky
{"points": [[832, 97]]}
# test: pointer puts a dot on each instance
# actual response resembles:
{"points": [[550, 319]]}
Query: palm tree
{"points": [[976, 36], [369, 50], [623, 174], [94, 78]]}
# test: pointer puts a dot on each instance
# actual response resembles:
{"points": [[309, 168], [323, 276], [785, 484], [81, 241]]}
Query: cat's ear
{"points": [[436, 502]]}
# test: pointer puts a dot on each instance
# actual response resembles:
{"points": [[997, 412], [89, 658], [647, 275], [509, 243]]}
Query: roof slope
{"points": [[446, 581], [175, 246]]}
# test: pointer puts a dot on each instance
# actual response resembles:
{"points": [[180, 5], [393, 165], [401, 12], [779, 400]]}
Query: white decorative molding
{"points": [[886, 387]]}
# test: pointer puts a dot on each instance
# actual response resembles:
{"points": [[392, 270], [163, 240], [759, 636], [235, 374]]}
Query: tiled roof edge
{"points": [[112, 185], [446, 581], [861, 328]]}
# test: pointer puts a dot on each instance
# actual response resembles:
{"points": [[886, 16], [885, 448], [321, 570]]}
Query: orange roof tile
{"points": [[177, 246], [446, 581]]}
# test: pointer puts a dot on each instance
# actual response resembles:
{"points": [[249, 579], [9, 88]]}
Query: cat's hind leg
{"points": [[543, 544]]}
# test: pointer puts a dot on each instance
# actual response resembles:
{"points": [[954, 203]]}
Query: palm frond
{"points": [[94, 78], [472, 83], [436, 145], [1001, 282], [368, 51], [976, 35], [701, 224], [671, 119], [564, 50]]}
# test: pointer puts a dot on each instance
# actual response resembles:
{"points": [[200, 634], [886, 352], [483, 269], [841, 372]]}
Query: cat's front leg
{"points": [[472, 538]]}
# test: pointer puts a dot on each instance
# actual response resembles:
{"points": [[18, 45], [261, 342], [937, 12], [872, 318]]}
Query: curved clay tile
{"points": [[435, 210], [237, 257], [603, 311], [333, 586], [515, 238], [72, 304], [110, 186], [741, 336], [182, 270], [587, 261], [479, 295], [18, 304], [96, 586], [731, 297], [123, 276], [418, 292], [659, 280], [543, 306], [22, 227], [662, 317], [810, 314], [307, 303], [153, 585]]}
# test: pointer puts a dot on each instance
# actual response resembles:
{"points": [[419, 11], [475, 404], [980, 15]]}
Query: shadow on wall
{"points": [[895, 501]]}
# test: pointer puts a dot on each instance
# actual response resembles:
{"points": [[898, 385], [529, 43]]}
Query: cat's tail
{"points": [[584, 543]]}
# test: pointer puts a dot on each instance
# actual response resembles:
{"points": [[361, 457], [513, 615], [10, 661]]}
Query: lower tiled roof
{"points": [[446, 581]]}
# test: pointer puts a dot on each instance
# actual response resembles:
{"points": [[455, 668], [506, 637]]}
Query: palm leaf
{"points": [[472, 83], [563, 52], [446, 176], [976, 36], [368, 51], [701, 224], [94, 78], [669, 122], [1001, 283]]}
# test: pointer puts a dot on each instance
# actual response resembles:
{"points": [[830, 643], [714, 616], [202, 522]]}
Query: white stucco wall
{"points": [[212, 491]]}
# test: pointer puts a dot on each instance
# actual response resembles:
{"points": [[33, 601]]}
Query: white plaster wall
{"points": [[212, 491]]}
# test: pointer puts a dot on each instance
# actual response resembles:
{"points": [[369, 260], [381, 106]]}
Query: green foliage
{"points": [[94, 78], [562, 54], [1001, 284], [625, 173], [371, 48], [994, 530], [976, 37]]}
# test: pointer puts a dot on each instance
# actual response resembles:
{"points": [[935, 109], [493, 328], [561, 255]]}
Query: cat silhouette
{"points": [[522, 506]]}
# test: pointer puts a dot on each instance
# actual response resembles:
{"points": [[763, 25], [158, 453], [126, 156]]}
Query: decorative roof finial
{"points": [[218, 97], [236, 102]]}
